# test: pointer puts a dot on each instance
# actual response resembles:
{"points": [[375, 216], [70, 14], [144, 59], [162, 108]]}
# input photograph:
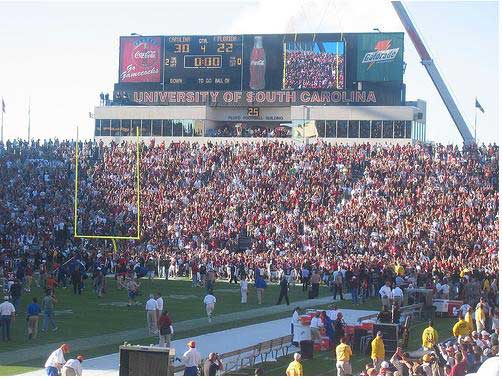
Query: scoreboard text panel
{"points": [[202, 63]]}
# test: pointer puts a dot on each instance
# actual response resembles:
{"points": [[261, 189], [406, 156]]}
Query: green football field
{"points": [[87, 317]]}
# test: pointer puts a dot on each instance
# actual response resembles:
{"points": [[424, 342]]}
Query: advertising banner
{"points": [[380, 57], [140, 59]]}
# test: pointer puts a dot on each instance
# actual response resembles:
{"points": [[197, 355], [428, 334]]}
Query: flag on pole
{"points": [[3, 106], [479, 106]]}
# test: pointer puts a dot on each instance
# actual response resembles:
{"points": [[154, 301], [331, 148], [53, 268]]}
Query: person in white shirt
{"points": [[191, 359], [56, 360], [295, 320], [445, 290], [315, 327], [397, 295], [160, 303], [73, 367], [152, 313], [209, 301], [385, 294], [7, 315], [244, 291]]}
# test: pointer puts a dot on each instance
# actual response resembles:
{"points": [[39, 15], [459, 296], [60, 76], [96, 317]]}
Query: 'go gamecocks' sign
{"points": [[140, 59]]}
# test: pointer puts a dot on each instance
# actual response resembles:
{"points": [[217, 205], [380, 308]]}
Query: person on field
{"points": [[461, 328], [165, 329], [244, 290], [377, 350], [295, 368], [56, 360], [152, 314], [260, 286], [191, 359], [33, 315], [209, 301], [212, 365], [283, 284], [430, 337], [343, 354], [73, 367], [7, 315]]}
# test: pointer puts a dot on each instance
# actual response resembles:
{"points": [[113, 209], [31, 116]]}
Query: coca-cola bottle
{"points": [[257, 65]]}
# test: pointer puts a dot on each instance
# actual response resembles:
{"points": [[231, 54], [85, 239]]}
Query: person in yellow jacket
{"points": [[377, 351], [461, 328], [343, 355], [398, 269], [480, 316], [295, 368], [430, 337], [468, 318]]}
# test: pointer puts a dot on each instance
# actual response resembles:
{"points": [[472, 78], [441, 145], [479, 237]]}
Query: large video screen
{"points": [[315, 65], [273, 62]]}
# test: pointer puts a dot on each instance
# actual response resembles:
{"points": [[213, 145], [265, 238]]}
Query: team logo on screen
{"points": [[383, 53], [145, 52]]}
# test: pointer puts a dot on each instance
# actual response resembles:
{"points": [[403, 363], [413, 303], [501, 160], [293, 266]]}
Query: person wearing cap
{"points": [[430, 337], [191, 359], [73, 367], [295, 368], [343, 355], [152, 314], [56, 360], [377, 350], [209, 301], [384, 368], [7, 315]]}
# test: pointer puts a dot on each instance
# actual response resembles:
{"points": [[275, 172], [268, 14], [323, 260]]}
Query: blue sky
{"points": [[62, 54]]}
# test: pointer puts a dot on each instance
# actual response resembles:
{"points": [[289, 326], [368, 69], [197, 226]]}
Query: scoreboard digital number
{"points": [[203, 63]]}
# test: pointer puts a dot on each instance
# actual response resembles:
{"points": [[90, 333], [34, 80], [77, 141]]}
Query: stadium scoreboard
{"points": [[203, 62]]}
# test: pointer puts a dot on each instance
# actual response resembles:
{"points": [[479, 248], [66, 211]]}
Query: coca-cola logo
{"points": [[146, 52]]}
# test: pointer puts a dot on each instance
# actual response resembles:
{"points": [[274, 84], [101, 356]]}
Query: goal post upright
{"points": [[138, 199]]}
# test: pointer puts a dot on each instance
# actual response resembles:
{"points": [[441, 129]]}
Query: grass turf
{"points": [[324, 362], [87, 315]]}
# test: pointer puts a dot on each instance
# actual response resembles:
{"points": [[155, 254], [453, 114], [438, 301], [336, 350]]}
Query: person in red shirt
{"points": [[460, 366]]}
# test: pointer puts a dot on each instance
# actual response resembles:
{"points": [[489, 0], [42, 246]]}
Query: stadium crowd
{"points": [[311, 70], [355, 216]]}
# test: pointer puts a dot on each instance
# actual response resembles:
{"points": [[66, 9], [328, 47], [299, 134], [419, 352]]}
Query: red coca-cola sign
{"points": [[140, 59]]}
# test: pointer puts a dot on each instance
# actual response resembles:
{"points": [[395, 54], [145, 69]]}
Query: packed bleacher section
{"points": [[414, 216], [325, 205], [311, 70]]}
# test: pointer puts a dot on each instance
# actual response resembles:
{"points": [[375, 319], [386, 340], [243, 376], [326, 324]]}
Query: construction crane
{"points": [[433, 72]]}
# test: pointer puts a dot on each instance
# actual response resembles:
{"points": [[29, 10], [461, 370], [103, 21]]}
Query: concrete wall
{"points": [[223, 140]]}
